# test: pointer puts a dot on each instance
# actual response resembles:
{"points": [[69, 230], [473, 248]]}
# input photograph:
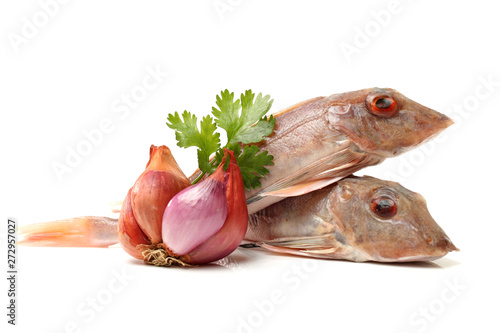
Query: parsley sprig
{"points": [[244, 122]]}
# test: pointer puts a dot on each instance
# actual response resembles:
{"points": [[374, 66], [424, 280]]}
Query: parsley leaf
{"points": [[188, 135], [243, 120], [228, 113], [239, 127], [251, 163]]}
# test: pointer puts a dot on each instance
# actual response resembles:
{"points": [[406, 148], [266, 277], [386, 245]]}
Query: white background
{"points": [[70, 73]]}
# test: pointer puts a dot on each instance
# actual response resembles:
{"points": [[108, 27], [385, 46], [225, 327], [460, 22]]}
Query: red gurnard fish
{"points": [[319, 141], [357, 219]]}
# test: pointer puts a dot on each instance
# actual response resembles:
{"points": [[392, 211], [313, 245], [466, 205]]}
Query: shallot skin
{"points": [[229, 237], [142, 211], [195, 214]]}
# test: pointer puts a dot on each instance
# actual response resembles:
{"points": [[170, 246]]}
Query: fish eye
{"points": [[382, 105], [384, 207]]}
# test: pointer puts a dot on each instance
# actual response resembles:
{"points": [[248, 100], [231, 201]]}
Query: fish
{"points": [[324, 139], [357, 219], [315, 143]]}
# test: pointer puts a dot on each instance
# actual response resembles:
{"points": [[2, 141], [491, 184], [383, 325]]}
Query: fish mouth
{"points": [[447, 122], [433, 252], [419, 248], [446, 245], [417, 258]]}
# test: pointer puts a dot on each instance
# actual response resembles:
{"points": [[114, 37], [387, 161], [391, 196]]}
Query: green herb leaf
{"points": [[188, 135], [228, 113], [256, 133], [249, 126], [251, 163], [239, 127]]}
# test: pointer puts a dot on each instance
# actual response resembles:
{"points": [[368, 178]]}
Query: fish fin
{"points": [[319, 174], [325, 246], [296, 106], [85, 231], [302, 188]]}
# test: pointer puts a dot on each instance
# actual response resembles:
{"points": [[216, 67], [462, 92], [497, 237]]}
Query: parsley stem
{"points": [[212, 163], [198, 178]]}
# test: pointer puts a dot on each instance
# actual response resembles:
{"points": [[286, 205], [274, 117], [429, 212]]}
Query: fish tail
{"points": [[84, 231]]}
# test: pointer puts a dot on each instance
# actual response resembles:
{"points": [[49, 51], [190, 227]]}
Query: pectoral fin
{"points": [[302, 188], [325, 246], [319, 174]]}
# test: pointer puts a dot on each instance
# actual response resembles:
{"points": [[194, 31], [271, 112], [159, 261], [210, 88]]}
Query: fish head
{"points": [[383, 221], [383, 121]]}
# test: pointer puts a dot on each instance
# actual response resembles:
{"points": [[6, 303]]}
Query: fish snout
{"points": [[434, 242], [419, 237], [446, 245], [439, 120], [435, 251], [416, 124], [430, 121]]}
